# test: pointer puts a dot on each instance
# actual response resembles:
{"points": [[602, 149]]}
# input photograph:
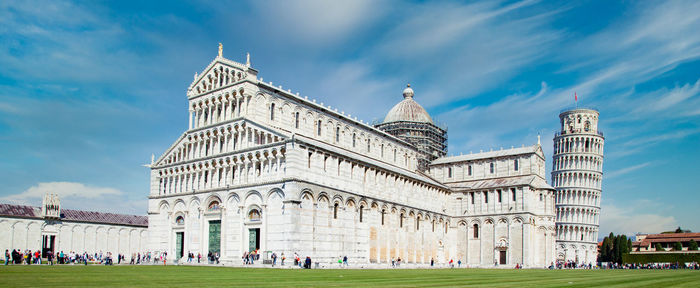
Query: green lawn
{"points": [[188, 276]]}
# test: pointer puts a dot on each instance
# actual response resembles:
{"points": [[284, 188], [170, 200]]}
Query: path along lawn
{"points": [[192, 276]]}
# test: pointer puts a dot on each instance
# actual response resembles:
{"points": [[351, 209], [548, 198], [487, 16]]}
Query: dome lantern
{"points": [[408, 92]]}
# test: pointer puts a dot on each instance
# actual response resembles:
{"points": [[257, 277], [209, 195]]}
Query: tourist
{"points": [[7, 256], [307, 262], [432, 262], [282, 264], [274, 259], [345, 261], [459, 263], [452, 264], [29, 257]]}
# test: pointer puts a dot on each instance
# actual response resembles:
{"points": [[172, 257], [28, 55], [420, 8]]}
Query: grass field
{"points": [[189, 276]]}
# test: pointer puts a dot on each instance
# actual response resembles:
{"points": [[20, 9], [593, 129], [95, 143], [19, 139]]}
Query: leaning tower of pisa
{"points": [[577, 171]]}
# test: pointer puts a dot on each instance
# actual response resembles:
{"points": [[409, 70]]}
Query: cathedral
{"points": [[264, 169]]}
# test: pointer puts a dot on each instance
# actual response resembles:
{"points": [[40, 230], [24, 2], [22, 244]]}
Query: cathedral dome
{"points": [[408, 110]]}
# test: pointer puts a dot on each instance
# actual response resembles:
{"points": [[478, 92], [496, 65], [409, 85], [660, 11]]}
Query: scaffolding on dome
{"points": [[429, 139]]}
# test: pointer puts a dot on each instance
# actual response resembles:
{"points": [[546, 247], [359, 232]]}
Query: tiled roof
{"points": [[75, 215], [486, 155], [533, 181], [670, 237], [106, 218], [20, 211]]}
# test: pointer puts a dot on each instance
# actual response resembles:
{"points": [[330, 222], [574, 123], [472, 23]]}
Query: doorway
{"points": [[215, 236], [502, 257], [47, 245], [179, 244], [253, 239]]}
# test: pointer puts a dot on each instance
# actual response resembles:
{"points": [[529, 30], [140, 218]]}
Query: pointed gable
{"points": [[219, 73]]}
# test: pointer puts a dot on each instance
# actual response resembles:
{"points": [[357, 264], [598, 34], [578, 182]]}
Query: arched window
{"points": [[383, 212], [476, 231], [337, 134], [272, 111], [417, 223], [492, 167], [449, 172], [318, 130], [401, 220], [254, 215], [335, 211], [361, 212], [354, 138], [469, 170], [180, 220], [214, 206], [296, 120], [515, 164], [368, 146]]}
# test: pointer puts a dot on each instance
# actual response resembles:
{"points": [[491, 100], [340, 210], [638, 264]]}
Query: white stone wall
{"points": [[26, 233]]}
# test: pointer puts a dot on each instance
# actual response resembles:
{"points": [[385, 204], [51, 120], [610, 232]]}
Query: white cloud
{"points": [[74, 195], [466, 49], [314, 23], [63, 190], [640, 216], [665, 100], [494, 122], [626, 170]]}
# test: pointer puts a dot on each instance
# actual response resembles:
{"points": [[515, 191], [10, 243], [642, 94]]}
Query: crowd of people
{"points": [[569, 264], [659, 266], [249, 258], [29, 257]]}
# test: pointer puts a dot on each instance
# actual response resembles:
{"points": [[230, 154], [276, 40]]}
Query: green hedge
{"points": [[661, 258]]}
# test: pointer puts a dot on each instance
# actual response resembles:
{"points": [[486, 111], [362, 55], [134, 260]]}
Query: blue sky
{"points": [[89, 90]]}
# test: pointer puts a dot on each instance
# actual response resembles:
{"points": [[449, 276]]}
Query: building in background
{"points": [[647, 243], [50, 228], [577, 173]]}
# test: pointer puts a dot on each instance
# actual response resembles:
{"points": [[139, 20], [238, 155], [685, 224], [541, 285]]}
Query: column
{"points": [[222, 242]]}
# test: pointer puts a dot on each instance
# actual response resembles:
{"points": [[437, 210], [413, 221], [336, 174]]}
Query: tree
{"points": [[629, 245], [617, 250], [693, 246], [677, 246], [605, 250], [658, 247]]}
